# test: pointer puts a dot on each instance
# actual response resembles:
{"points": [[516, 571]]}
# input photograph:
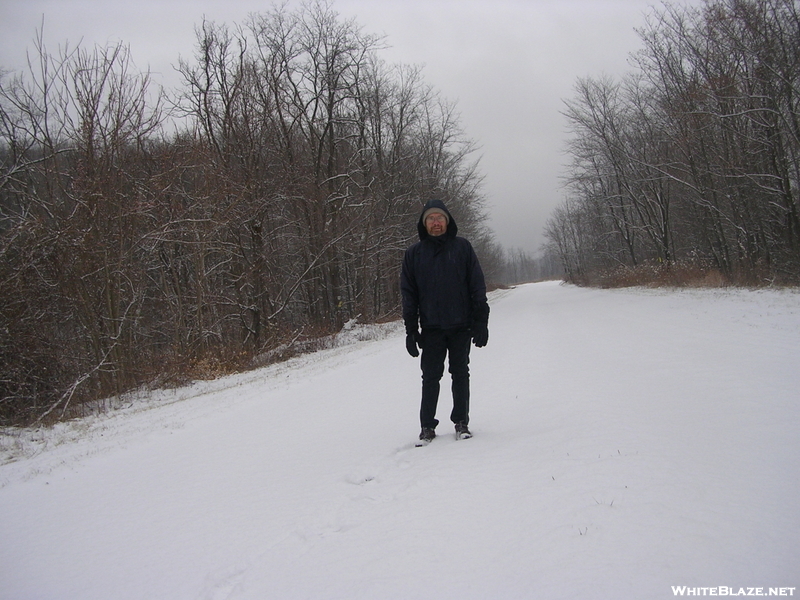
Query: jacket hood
{"points": [[452, 228]]}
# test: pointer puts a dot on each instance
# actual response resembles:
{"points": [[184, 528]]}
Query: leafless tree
{"points": [[695, 156], [279, 207]]}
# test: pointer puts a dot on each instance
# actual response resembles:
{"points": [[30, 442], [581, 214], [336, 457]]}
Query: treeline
{"points": [[150, 236], [692, 162], [518, 266]]}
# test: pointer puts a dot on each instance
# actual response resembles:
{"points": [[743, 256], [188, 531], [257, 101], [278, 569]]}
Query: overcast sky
{"points": [[508, 64]]}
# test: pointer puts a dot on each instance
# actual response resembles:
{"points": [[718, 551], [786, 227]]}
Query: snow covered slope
{"points": [[626, 442]]}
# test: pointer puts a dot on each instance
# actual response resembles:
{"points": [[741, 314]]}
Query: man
{"points": [[444, 293]]}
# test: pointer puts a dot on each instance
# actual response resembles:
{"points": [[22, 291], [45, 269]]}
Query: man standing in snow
{"points": [[444, 293]]}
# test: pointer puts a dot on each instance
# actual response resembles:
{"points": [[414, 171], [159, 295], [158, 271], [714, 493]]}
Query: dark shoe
{"points": [[426, 436], [462, 431]]}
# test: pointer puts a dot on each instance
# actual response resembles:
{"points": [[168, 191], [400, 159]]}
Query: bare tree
{"points": [[694, 157], [278, 209]]}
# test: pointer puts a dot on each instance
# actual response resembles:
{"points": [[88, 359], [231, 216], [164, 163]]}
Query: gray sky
{"points": [[508, 64]]}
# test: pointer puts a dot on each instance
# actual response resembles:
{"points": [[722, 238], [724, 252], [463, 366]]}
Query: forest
{"points": [[688, 169], [150, 236]]}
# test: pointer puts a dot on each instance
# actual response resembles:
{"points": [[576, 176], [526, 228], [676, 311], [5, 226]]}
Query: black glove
{"points": [[480, 333], [412, 340]]}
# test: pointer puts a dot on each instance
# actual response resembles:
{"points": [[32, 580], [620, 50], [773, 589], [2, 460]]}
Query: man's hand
{"points": [[412, 340], [480, 333]]}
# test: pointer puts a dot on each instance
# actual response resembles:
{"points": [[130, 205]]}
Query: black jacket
{"points": [[441, 280]]}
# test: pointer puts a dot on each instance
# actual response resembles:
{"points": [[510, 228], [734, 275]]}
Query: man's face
{"points": [[436, 224]]}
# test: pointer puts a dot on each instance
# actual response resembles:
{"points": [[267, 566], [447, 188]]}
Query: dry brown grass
{"points": [[663, 275]]}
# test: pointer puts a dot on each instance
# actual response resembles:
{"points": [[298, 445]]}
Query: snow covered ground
{"points": [[627, 442]]}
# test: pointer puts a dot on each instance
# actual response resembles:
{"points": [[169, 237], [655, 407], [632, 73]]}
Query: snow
{"points": [[626, 441]]}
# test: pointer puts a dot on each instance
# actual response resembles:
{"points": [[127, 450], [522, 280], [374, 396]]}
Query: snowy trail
{"points": [[625, 442]]}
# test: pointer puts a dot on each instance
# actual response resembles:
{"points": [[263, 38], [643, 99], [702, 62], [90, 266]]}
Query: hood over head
{"points": [[436, 206]]}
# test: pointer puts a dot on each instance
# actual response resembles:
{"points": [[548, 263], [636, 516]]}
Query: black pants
{"points": [[436, 345]]}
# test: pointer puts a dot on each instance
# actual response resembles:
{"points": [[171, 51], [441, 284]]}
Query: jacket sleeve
{"points": [[409, 294], [477, 289]]}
